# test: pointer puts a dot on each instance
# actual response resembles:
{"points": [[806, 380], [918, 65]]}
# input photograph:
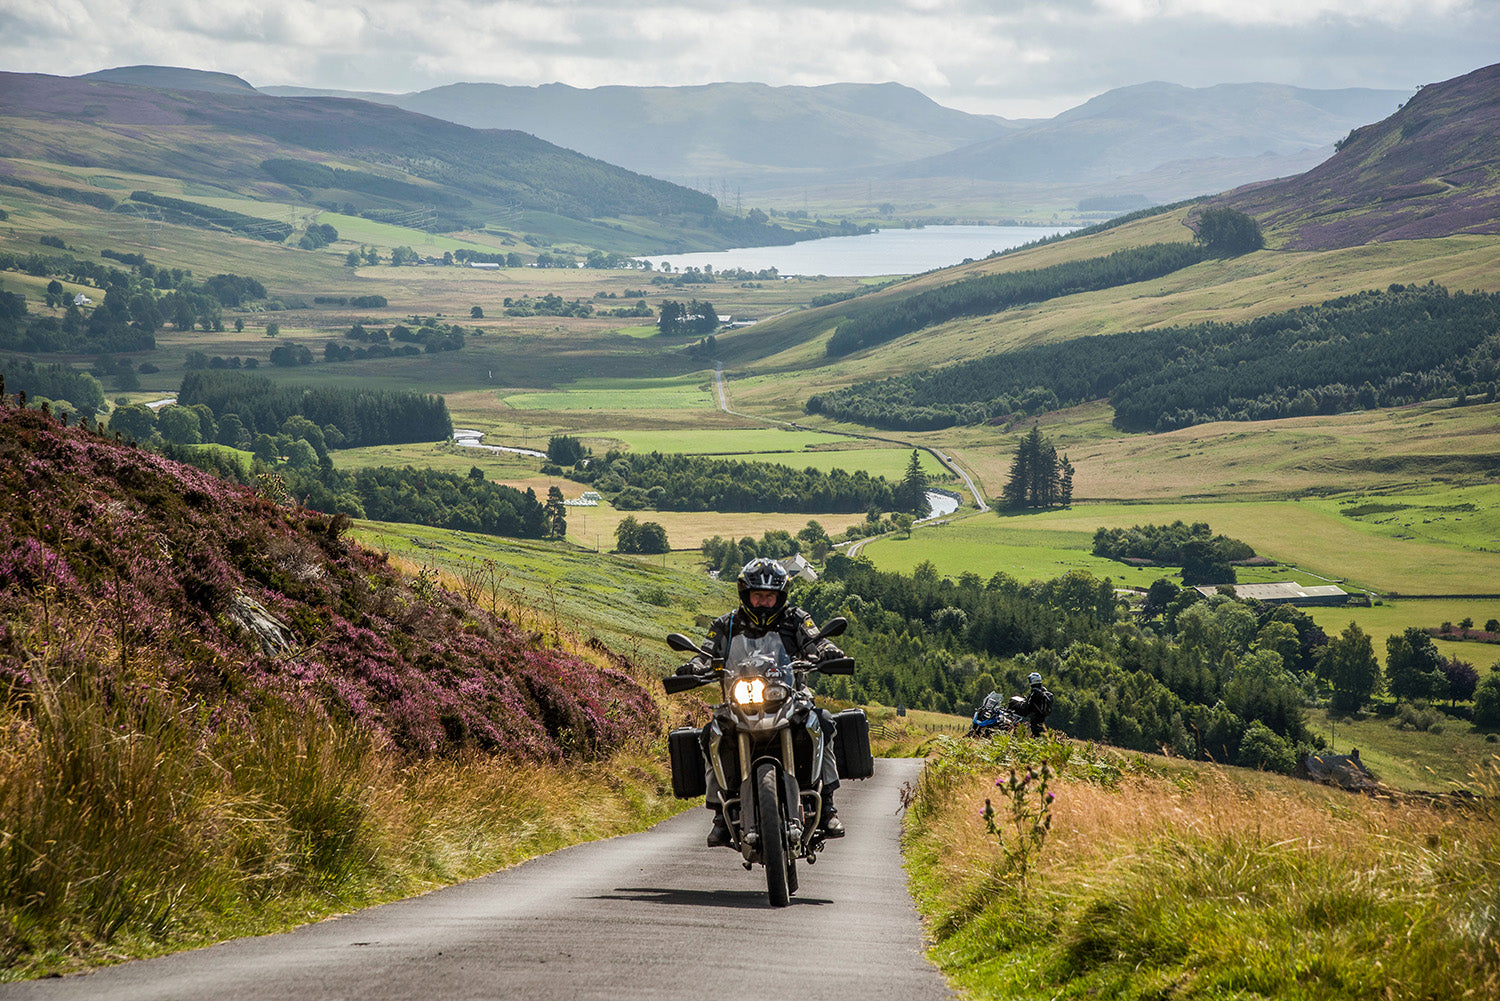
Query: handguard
{"points": [[675, 683], [836, 665]]}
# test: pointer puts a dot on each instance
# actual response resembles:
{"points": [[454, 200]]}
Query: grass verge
{"points": [[132, 827], [1187, 881]]}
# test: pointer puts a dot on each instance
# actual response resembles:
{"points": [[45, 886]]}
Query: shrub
{"points": [[1261, 748], [1487, 701]]}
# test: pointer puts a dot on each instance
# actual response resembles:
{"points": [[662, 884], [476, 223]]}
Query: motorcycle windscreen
{"points": [[762, 655]]}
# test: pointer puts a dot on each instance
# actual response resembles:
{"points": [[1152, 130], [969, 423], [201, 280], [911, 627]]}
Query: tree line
{"points": [[187, 213], [1200, 677], [1164, 544], [677, 319], [136, 304], [361, 416], [52, 382], [676, 482], [993, 293], [1372, 349], [290, 468]]}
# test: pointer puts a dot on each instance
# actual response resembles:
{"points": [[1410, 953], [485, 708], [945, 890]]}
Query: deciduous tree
{"points": [[1348, 664]]}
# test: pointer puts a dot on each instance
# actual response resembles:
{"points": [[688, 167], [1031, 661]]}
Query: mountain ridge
{"points": [[1215, 134]]}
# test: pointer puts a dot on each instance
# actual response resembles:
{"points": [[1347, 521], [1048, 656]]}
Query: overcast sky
{"points": [[1018, 58]]}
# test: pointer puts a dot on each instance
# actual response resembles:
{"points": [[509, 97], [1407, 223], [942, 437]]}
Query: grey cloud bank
{"points": [[1016, 58]]}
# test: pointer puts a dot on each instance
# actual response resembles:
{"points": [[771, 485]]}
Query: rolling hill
{"points": [[1430, 170], [355, 157], [722, 130]]}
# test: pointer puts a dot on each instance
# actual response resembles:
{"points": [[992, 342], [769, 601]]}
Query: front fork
{"points": [[800, 830]]}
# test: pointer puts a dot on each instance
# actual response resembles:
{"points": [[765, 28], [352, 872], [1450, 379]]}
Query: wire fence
{"points": [[888, 731]]}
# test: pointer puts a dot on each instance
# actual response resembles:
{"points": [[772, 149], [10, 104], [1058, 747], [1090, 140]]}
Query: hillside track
{"points": [[651, 915]]}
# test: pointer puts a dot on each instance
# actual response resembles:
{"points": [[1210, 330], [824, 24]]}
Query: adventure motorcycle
{"points": [[765, 743], [994, 716]]}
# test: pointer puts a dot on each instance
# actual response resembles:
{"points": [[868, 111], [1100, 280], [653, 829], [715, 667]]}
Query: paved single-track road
{"points": [[651, 916]]}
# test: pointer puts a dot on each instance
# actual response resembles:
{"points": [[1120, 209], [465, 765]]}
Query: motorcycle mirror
{"points": [[677, 641], [833, 627], [836, 665]]}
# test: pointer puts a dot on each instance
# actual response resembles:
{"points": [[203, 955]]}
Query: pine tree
{"points": [[911, 495], [1017, 489], [557, 513], [1038, 478]]}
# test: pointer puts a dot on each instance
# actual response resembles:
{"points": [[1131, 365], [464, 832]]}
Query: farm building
{"points": [[797, 566], [1284, 593]]}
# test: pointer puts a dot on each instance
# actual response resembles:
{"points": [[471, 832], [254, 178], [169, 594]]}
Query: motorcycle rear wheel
{"points": [[772, 835]]}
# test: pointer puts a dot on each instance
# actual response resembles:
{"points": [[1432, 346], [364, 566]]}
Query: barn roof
{"points": [[1282, 591]]}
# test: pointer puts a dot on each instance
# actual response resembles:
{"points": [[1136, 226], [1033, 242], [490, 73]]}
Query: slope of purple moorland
{"points": [[119, 562], [1431, 169]]}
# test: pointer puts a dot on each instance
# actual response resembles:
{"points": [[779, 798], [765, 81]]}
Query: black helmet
{"points": [[763, 575]]}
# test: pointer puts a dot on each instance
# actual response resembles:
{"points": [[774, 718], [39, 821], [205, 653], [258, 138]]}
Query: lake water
{"points": [[888, 252]]}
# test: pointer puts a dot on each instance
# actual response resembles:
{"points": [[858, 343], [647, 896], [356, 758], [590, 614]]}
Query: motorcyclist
{"points": [[1037, 705], [763, 586]]}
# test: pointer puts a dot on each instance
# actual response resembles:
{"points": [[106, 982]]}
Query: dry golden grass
{"points": [[1194, 877]]}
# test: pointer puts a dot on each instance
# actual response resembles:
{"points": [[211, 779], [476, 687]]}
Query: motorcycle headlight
{"points": [[750, 692], [777, 694]]}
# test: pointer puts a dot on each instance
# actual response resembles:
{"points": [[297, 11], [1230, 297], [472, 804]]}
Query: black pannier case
{"points": [[687, 762], [851, 745]]}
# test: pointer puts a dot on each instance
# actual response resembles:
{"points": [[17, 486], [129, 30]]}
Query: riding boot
{"points": [[832, 826], [718, 835]]}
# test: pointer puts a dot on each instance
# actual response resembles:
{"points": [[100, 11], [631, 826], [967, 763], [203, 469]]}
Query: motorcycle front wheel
{"points": [[772, 835]]}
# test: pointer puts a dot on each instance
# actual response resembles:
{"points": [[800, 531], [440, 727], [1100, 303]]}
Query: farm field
{"points": [[1404, 758], [1309, 535], [1315, 541], [594, 527], [1390, 618], [689, 392]]}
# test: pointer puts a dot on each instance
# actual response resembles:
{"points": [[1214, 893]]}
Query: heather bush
{"points": [[236, 600]]}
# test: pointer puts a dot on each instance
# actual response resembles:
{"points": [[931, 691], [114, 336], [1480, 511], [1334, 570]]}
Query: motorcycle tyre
{"points": [[772, 836], [791, 876]]}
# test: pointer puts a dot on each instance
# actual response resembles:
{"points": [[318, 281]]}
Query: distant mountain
{"points": [[1162, 134], [172, 78], [716, 131], [1157, 142], [1431, 169]]}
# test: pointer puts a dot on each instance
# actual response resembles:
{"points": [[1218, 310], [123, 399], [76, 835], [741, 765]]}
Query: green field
{"points": [[630, 602], [684, 393], [743, 442], [1310, 535]]}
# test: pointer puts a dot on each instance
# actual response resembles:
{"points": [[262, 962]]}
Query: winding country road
{"points": [[651, 916]]}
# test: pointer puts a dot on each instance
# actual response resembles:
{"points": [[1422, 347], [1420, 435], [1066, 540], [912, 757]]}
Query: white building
{"points": [[798, 566]]}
